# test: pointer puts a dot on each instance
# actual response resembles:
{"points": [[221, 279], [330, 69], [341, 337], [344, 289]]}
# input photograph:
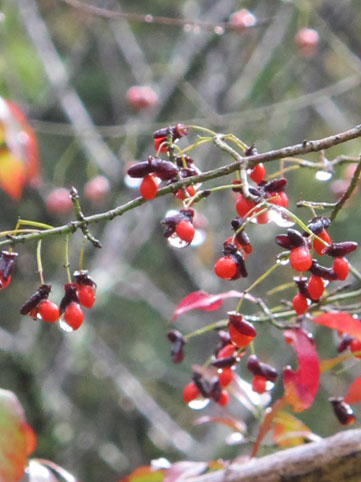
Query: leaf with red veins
{"points": [[301, 386], [340, 321], [14, 442], [354, 392], [200, 300]]}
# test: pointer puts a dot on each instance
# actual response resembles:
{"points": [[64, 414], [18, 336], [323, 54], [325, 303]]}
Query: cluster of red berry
{"points": [[79, 294]]}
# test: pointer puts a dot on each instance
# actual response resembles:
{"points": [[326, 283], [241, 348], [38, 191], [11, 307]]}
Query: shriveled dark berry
{"points": [[40, 294], [262, 369], [342, 410], [323, 272], [295, 238], [341, 249]]}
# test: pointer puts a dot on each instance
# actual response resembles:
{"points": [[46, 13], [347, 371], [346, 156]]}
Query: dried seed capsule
{"points": [[40, 294], [7, 261], [341, 249], [177, 348], [318, 223], [283, 241], [262, 369], [301, 284], [240, 331], [215, 390], [322, 271], [139, 170], [277, 185], [296, 238], [343, 411], [165, 170], [225, 362], [203, 385]]}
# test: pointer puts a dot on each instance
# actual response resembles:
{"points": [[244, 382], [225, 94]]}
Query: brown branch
{"points": [[334, 459], [347, 194]]}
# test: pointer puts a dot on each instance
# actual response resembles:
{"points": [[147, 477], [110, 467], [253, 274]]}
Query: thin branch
{"points": [[295, 150], [347, 194]]}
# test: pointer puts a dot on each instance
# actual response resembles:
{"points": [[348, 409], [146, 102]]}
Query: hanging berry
{"points": [[299, 304], [315, 287], [231, 266], [86, 288], [240, 331], [190, 392], [148, 188], [179, 228], [38, 306], [341, 268], [225, 376], [342, 410], [263, 373], [258, 173], [300, 258], [71, 313], [7, 261], [160, 136]]}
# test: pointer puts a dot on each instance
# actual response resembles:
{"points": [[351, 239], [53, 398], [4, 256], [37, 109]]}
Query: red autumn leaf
{"points": [[265, 427], [354, 392], [341, 322], [301, 386], [14, 438], [200, 300], [326, 365], [289, 431]]}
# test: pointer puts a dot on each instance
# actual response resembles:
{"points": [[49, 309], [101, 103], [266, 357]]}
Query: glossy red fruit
{"points": [[86, 295], [259, 384], [341, 268], [355, 346], [300, 258], [4, 283], [243, 206], [315, 287], [185, 230], [73, 315], [190, 392], [148, 187], [180, 193], [225, 377], [223, 399], [226, 351], [299, 304], [58, 201], [225, 267], [241, 332], [141, 97], [48, 311], [318, 246], [279, 199], [306, 41], [97, 189], [258, 173]]}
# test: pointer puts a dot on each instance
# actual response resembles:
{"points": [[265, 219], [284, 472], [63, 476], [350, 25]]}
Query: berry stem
{"points": [[206, 329], [66, 258], [81, 256], [35, 224], [198, 142], [202, 129], [39, 263], [347, 194]]}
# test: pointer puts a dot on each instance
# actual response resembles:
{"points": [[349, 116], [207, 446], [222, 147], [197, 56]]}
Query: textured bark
{"points": [[334, 459]]}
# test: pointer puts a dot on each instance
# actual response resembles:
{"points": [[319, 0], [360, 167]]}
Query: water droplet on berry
{"points": [[323, 175], [132, 182], [279, 218], [175, 241], [218, 30], [198, 403], [235, 438], [64, 325], [269, 385], [283, 258], [199, 238]]}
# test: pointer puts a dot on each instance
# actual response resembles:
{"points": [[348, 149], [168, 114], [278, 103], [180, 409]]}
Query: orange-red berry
{"points": [[259, 384], [300, 304], [190, 392], [258, 173], [315, 287], [225, 267], [341, 268], [48, 311], [73, 315], [243, 206], [185, 230], [318, 246], [148, 187], [226, 351], [86, 295], [223, 399], [355, 346], [180, 193], [300, 258], [225, 376]]}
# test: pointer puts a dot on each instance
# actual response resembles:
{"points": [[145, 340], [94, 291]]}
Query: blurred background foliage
{"points": [[107, 398]]}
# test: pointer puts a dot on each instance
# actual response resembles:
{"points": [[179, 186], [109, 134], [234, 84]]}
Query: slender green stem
{"points": [[81, 257], [202, 129], [206, 329], [347, 194], [66, 258], [35, 224], [39, 263]]}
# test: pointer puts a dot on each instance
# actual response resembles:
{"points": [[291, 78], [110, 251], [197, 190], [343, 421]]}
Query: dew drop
{"points": [[64, 325], [199, 238], [198, 403], [176, 241], [279, 218], [269, 385], [235, 438], [132, 182], [218, 30], [323, 175], [283, 258]]}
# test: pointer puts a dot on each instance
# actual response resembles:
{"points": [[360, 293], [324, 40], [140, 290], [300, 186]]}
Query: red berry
{"points": [[190, 392], [300, 304], [141, 97], [180, 193], [341, 268], [243, 19], [258, 173], [318, 246], [315, 287], [243, 206], [4, 283], [223, 399], [226, 351], [73, 315], [263, 218], [148, 188], [225, 267], [225, 377], [48, 311], [86, 295], [355, 346], [306, 41], [300, 259], [58, 201], [185, 230], [279, 199], [259, 384], [97, 188], [239, 339]]}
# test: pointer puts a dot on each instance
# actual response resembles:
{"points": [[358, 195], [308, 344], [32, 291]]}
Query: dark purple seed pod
{"points": [[344, 343], [241, 266], [296, 239], [174, 335], [7, 261], [301, 284], [215, 390], [139, 170], [228, 361], [82, 278], [163, 132], [341, 249], [69, 296], [262, 369], [177, 348], [255, 192], [318, 224], [202, 384], [236, 223], [244, 241], [322, 271], [177, 132], [179, 160], [40, 294], [343, 411], [277, 185], [283, 241], [186, 214], [165, 170], [251, 151], [229, 248], [242, 326], [224, 338]]}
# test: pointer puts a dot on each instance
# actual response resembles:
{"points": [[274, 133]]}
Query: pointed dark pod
{"points": [[301, 284], [251, 151], [203, 385], [322, 271], [318, 224], [177, 348], [7, 261], [228, 361], [341, 249], [179, 160], [296, 238], [177, 131], [170, 222], [283, 241], [82, 278], [215, 390], [69, 296], [242, 326], [165, 170], [40, 294], [277, 185], [241, 266], [343, 411], [139, 170], [262, 369]]}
